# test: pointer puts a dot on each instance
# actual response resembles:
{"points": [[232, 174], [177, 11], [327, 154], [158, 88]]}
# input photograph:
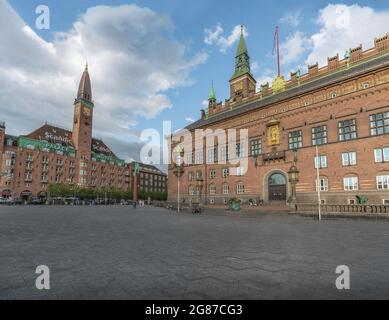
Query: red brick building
{"points": [[341, 108], [28, 164]]}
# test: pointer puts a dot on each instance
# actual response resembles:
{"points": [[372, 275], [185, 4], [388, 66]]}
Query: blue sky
{"points": [[302, 23]]}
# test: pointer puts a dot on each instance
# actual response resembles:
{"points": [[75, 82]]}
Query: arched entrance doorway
{"points": [[6, 193], [26, 195], [277, 187]]}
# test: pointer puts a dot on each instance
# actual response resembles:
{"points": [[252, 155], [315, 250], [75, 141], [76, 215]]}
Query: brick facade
{"points": [[346, 98], [49, 155]]}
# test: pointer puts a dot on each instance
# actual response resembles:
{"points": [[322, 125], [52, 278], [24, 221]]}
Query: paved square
{"points": [[151, 253]]}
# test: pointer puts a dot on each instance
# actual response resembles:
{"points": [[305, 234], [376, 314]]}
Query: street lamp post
{"points": [[200, 184], [178, 172], [293, 179]]}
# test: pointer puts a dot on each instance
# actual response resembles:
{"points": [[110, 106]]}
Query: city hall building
{"points": [[339, 112], [50, 155]]}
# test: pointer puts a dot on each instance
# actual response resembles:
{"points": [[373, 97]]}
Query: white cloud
{"points": [[343, 27], [267, 76], [291, 18], [294, 47], [216, 37], [133, 60], [254, 66], [190, 120]]}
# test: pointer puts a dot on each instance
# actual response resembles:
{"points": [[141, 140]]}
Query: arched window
{"points": [[277, 179], [191, 191], [240, 188], [350, 183], [212, 189], [322, 185]]}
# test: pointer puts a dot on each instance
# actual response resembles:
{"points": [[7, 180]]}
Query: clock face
{"points": [[86, 112], [238, 86]]}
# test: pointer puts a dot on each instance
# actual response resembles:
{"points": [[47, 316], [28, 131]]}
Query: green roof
{"points": [[212, 95], [242, 48]]}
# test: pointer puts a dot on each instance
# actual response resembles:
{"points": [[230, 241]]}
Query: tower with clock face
{"points": [[83, 118], [242, 83]]}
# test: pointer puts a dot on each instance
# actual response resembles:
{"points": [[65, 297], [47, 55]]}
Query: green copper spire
{"points": [[242, 59], [242, 48], [212, 95]]}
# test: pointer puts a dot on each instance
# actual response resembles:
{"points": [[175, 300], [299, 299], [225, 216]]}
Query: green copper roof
{"points": [[242, 60], [212, 95], [242, 48]]}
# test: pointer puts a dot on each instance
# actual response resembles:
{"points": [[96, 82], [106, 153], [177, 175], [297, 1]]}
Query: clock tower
{"points": [[83, 118], [242, 83]]}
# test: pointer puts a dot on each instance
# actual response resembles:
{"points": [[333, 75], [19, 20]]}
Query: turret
{"points": [[242, 83], [82, 126], [212, 98]]}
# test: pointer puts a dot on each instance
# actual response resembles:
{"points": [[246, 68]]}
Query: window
{"points": [[199, 157], [189, 158], [212, 189], [295, 140], [240, 188], [211, 155], [224, 153], [333, 95], [226, 189], [381, 155], [240, 171], [319, 135], [383, 182], [225, 172], [212, 174], [347, 130], [321, 162], [350, 183], [191, 191], [385, 202], [349, 158], [191, 176], [199, 175], [365, 85], [351, 201], [239, 150], [379, 123], [256, 147], [322, 185]]}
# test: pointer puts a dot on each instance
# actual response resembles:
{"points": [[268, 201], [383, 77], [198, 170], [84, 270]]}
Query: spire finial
{"points": [[86, 66], [212, 95], [241, 29]]}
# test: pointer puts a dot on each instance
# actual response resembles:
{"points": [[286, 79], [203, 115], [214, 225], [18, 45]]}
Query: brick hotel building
{"points": [[28, 164], [342, 108]]}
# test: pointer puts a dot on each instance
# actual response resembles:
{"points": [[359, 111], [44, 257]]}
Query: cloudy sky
{"points": [[152, 61]]}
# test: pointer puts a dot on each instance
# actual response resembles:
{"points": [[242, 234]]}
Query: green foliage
{"points": [[63, 191], [362, 199], [159, 196], [59, 190]]}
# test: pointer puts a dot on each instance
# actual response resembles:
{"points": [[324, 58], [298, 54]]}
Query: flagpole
{"points": [[318, 186], [277, 48], [278, 53]]}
